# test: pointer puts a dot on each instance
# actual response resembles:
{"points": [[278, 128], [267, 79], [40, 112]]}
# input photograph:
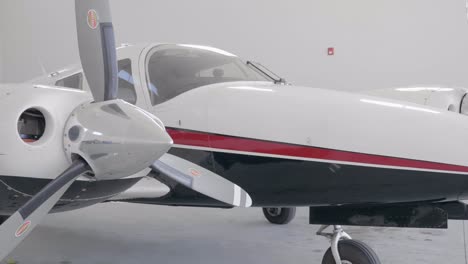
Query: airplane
{"points": [[237, 136]]}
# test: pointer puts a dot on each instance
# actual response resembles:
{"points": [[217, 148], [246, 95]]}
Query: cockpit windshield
{"points": [[175, 69]]}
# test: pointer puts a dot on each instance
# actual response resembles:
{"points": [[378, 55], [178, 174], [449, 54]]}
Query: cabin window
{"points": [[126, 83], [74, 81], [176, 69]]}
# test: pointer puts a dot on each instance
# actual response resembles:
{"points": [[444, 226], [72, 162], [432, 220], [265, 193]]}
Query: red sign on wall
{"points": [[331, 51]]}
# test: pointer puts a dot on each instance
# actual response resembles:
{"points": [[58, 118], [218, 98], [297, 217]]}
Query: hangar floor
{"points": [[128, 233]]}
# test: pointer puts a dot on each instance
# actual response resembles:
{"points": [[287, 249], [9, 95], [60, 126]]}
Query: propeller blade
{"points": [[96, 43], [20, 224], [202, 180]]}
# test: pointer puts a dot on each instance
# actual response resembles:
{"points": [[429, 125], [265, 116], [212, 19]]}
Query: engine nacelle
{"points": [[31, 129]]}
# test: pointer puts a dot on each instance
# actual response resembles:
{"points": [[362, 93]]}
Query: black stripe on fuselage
{"points": [[285, 182]]}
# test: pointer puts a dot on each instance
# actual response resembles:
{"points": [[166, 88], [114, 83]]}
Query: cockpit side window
{"points": [[126, 84], [176, 69], [74, 81]]}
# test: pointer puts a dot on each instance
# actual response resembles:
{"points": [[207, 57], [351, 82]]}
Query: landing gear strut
{"points": [[345, 250], [279, 215]]}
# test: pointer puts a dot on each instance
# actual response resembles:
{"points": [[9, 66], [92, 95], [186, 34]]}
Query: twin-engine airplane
{"points": [[236, 135]]}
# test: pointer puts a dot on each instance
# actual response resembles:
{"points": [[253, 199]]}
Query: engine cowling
{"points": [[115, 138]]}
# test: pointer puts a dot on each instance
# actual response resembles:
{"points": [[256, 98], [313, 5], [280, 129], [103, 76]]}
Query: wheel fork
{"points": [[335, 236]]}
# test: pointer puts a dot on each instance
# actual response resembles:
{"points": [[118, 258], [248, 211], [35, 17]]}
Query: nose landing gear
{"points": [[345, 250]]}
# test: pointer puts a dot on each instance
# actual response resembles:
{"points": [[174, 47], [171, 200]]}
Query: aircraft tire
{"points": [[279, 215], [354, 252]]}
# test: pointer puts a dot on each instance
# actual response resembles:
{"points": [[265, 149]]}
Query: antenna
{"points": [[39, 61]]}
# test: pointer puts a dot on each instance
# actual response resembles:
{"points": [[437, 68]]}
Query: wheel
{"points": [[352, 252], [279, 215]]}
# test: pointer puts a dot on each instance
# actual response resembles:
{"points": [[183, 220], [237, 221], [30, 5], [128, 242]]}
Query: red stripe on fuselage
{"points": [[215, 141]]}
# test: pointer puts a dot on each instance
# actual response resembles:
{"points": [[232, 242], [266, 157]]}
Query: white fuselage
{"points": [[321, 118], [314, 125]]}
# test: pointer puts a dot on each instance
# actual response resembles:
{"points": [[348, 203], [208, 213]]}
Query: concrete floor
{"points": [[127, 233]]}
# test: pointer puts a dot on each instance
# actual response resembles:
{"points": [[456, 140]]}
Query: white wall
{"points": [[35, 33], [379, 43], [2, 40], [1, 61]]}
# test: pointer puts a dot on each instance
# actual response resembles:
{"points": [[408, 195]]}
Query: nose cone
{"points": [[117, 139]]}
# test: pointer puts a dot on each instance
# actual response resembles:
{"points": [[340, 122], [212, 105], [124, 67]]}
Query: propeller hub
{"points": [[115, 138]]}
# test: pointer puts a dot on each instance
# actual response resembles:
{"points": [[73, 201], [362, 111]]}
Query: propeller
{"points": [[107, 139], [202, 180], [96, 43], [18, 225]]}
